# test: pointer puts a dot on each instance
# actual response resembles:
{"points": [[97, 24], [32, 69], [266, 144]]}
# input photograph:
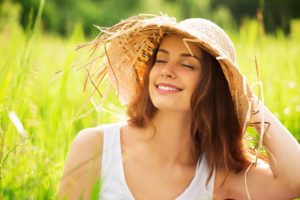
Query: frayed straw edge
{"points": [[246, 186]]}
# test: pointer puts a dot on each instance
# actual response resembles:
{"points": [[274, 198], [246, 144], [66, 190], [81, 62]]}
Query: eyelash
{"points": [[188, 66], [160, 61], [184, 65]]}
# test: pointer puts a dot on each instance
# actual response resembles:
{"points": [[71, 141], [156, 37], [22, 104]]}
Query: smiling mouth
{"points": [[168, 88]]}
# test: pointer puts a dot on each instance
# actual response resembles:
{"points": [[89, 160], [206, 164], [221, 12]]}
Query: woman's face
{"points": [[174, 75]]}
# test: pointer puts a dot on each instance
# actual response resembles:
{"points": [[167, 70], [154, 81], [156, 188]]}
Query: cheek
{"points": [[197, 82], [152, 74], [151, 80], [194, 82]]}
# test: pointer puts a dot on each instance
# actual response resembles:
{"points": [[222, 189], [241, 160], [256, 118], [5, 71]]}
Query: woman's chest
{"points": [[146, 180]]}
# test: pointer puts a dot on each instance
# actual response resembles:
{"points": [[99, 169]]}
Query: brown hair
{"points": [[215, 129], [141, 109]]}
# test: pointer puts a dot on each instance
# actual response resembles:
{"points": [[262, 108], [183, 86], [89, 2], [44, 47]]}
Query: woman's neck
{"points": [[172, 141]]}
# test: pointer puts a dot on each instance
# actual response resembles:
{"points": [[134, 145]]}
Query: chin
{"points": [[170, 106]]}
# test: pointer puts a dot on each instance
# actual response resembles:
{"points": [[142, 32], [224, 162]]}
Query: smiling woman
{"points": [[188, 111], [174, 75]]}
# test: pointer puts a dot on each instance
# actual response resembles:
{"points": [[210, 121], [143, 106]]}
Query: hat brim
{"points": [[131, 42]]}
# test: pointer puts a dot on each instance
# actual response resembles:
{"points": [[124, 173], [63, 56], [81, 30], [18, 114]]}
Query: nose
{"points": [[168, 71]]}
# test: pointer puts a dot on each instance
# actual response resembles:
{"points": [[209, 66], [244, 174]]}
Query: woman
{"points": [[188, 109]]}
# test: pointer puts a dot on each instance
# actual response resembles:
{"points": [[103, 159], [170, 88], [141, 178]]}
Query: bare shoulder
{"points": [[91, 138], [82, 166], [87, 146], [256, 182]]}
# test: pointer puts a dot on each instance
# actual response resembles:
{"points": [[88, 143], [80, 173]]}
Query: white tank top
{"points": [[113, 184]]}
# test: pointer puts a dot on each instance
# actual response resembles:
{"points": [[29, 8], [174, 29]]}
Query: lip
{"points": [[174, 89]]}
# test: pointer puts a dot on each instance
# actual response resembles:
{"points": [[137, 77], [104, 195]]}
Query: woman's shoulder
{"points": [[86, 146], [256, 182], [93, 135], [90, 132], [83, 163], [88, 139]]}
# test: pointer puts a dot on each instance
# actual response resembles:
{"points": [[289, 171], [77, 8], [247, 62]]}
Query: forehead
{"points": [[174, 43]]}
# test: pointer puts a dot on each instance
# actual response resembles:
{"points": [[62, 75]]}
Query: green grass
{"points": [[47, 105]]}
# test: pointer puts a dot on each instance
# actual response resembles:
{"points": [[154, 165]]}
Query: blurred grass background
{"points": [[48, 103]]}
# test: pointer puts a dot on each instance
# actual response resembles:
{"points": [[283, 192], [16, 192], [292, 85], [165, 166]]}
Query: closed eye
{"points": [[188, 66], [161, 61]]}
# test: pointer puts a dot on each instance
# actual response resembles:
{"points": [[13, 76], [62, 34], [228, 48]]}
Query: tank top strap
{"points": [[111, 147], [112, 183]]}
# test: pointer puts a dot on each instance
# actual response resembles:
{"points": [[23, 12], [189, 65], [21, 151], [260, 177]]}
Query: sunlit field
{"points": [[42, 104]]}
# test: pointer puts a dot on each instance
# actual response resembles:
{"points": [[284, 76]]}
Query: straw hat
{"points": [[127, 46]]}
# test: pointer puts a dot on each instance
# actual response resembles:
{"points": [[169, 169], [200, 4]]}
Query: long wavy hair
{"points": [[214, 128]]}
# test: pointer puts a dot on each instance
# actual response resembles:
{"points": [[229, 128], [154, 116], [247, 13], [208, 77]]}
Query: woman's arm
{"points": [[82, 167], [280, 179], [282, 148]]}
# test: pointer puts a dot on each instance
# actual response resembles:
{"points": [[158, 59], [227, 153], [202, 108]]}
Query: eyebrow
{"points": [[183, 54]]}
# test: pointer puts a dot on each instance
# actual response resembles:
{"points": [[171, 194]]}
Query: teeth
{"points": [[167, 88]]}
